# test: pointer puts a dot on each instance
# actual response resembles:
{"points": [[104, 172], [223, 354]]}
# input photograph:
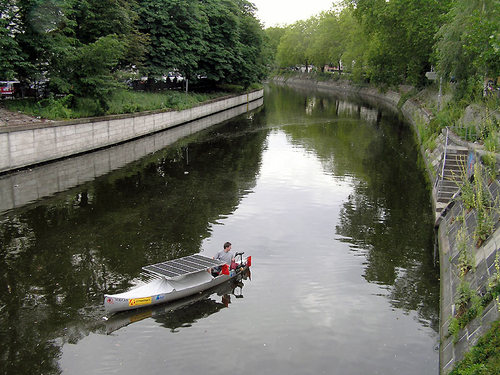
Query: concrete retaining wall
{"points": [[28, 185], [454, 347], [22, 146]]}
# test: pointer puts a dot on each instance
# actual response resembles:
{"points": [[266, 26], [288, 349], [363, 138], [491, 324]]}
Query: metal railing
{"points": [[439, 181]]}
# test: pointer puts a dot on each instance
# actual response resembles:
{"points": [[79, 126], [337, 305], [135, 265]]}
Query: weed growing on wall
{"points": [[484, 358], [465, 259], [485, 224], [494, 281]]}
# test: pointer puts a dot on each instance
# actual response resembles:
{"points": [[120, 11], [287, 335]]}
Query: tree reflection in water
{"points": [[58, 256]]}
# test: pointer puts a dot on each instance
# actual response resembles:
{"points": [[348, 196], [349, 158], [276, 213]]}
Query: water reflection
{"points": [[185, 312], [59, 256], [20, 188], [387, 216]]}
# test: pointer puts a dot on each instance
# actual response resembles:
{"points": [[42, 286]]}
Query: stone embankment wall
{"points": [[28, 185], [26, 145], [484, 259]]}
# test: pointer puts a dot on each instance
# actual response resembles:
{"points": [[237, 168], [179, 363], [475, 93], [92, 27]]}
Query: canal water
{"points": [[325, 193]]}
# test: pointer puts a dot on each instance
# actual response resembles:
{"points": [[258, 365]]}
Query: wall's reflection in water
{"points": [[29, 185]]}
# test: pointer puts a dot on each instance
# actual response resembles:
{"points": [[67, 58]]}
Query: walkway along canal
{"points": [[314, 186]]}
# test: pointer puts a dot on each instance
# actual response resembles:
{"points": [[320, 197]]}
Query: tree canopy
{"points": [[83, 47], [468, 46], [397, 41]]}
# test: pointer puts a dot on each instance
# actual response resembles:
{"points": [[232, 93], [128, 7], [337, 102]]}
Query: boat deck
{"points": [[182, 266]]}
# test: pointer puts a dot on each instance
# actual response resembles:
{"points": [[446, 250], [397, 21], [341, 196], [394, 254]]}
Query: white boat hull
{"points": [[161, 290]]}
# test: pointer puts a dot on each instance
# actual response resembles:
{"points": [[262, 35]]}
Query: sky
{"points": [[275, 12]]}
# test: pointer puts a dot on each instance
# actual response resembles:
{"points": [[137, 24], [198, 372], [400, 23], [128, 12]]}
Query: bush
{"points": [[484, 358], [121, 101]]}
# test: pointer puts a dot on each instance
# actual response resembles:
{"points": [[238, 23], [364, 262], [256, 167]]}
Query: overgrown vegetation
{"points": [[388, 43], [88, 49], [474, 196], [121, 101], [484, 358]]}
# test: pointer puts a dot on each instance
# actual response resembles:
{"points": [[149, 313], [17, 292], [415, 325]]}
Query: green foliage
{"points": [[467, 195], [51, 108], [464, 295], [219, 40], [97, 18], [446, 117], [175, 29], [93, 68], [328, 43], [406, 96], [120, 101], [494, 281], [294, 44], [454, 329], [56, 108], [490, 162], [402, 33], [465, 260], [252, 62], [475, 195], [9, 49], [427, 133], [484, 357], [84, 47], [272, 41], [490, 131], [467, 46], [468, 306]]}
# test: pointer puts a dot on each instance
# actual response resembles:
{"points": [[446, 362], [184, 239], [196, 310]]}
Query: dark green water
{"points": [[324, 193]]}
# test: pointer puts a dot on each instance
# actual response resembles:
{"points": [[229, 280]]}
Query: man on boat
{"points": [[224, 255]]}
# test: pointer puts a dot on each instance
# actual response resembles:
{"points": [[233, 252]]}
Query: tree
{"points": [[402, 36], [175, 29], [328, 42], [251, 45], [92, 69], [357, 45], [295, 45], [272, 41], [42, 30], [95, 19], [222, 39], [9, 49], [468, 45]]}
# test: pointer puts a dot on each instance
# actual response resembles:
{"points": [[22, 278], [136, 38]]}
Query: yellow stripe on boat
{"points": [[139, 301]]}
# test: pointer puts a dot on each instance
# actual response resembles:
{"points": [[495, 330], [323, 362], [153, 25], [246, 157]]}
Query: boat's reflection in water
{"points": [[186, 311]]}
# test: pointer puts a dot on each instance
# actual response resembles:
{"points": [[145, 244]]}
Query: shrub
{"points": [[484, 358]]}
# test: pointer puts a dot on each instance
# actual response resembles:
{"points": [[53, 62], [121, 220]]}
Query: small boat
{"points": [[175, 279], [188, 310]]}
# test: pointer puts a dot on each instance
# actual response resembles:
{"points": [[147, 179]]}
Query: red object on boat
{"points": [[225, 269], [249, 261]]}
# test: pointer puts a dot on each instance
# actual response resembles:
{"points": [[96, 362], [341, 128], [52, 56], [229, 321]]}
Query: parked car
{"points": [[7, 89]]}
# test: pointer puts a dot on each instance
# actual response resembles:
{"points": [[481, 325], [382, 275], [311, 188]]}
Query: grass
{"points": [[122, 101]]}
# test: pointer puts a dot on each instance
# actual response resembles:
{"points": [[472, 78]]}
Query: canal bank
{"points": [[26, 145], [461, 292]]}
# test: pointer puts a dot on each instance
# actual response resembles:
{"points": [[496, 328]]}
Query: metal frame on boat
{"points": [[175, 279]]}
